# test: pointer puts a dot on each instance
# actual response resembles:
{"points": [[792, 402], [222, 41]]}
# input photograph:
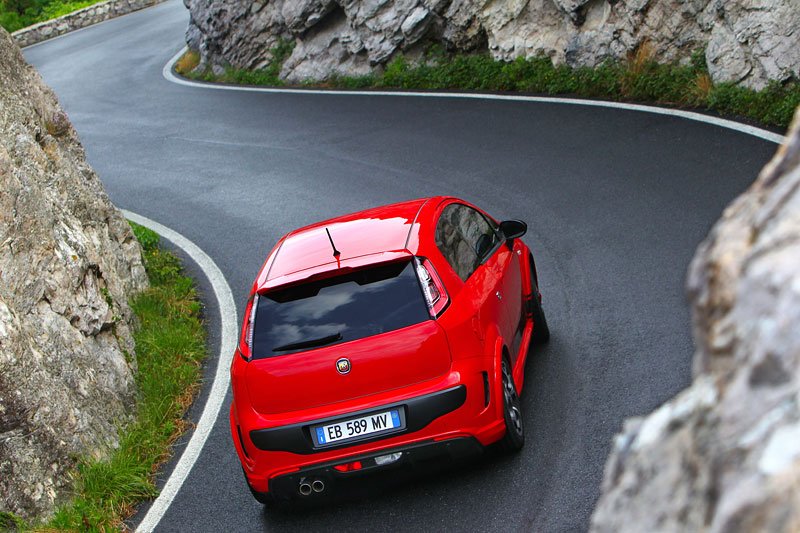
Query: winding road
{"points": [[617, 202]]}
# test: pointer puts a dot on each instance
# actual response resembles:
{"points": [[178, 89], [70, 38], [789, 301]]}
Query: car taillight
{"points": [[246, 343], [349, 467], [432, 287]]}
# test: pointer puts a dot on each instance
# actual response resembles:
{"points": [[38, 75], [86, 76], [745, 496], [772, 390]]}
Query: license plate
{"points": [[357, 427]]}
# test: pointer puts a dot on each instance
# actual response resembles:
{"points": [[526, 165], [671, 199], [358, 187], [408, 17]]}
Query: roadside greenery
{"points": [[637, 79], [10, 521], [17, 14], [268, 76], [170, 346]]}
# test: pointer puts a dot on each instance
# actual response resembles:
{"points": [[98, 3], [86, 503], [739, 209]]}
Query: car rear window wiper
{"points": [[322, 341]]}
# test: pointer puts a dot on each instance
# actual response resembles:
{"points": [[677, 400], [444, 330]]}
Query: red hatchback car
{"points": [[389, 338]]}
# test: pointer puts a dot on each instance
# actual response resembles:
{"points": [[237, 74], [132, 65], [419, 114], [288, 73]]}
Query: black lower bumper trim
{"points": [[419, 412], [415, 458]]}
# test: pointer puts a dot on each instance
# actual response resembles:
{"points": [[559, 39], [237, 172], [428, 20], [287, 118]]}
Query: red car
{"points": [[388, 338]]}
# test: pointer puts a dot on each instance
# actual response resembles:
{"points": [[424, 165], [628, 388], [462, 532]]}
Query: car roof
{"points": [[371, 236]]}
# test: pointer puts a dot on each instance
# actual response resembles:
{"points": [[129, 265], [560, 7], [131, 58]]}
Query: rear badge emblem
{"points": [[343, 365]]}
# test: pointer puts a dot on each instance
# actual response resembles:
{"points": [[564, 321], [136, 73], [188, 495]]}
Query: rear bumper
{"points": [[419, 412], [455, 407], [415, 457]]}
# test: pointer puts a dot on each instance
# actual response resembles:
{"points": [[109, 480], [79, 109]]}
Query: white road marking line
{"points": [[219, 388], [690, 115]]}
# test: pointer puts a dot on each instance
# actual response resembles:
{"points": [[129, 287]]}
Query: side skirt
{"points": [[522, 355]]}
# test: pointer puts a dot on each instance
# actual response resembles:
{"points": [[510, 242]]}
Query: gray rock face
{"points": [[68, 263], [725, 454], [745, 42]]}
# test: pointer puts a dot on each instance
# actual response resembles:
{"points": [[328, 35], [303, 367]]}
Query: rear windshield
{"points": [[339, 309]]}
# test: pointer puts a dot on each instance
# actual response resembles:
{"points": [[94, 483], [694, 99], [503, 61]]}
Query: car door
{"points": [[508, 263], [496, 255], [469, 244]]}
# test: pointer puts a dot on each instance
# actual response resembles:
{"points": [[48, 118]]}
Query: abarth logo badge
{"points": [[343, 365]]}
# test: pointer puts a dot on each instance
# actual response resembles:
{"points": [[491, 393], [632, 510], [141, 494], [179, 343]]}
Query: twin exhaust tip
{"points": [[307, 488]]}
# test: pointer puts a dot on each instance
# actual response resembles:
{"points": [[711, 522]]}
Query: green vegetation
{"points": [[17, 14], [187, 62], [638, 79], [170, 346], [10, 521], [267, 76]]}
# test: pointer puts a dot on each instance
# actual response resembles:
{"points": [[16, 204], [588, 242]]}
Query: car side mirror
{"points": [[513, 229]]}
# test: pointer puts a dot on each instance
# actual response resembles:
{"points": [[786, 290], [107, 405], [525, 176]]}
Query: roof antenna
{"points": [[336, 253]]}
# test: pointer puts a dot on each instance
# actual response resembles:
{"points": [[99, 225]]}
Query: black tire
{"points": [[541, 332], [514, 439]]}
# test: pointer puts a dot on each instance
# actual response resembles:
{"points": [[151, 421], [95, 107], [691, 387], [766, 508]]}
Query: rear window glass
{"points": [[339, 309]]}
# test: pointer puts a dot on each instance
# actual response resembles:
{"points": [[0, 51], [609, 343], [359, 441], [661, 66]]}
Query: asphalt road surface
{"points": [[616, 202]]}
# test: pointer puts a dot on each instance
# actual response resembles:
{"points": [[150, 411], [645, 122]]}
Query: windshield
{"points": [[340, 309]]}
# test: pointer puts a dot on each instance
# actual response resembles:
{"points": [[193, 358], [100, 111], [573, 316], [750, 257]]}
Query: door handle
{"points": [[499, 296]]}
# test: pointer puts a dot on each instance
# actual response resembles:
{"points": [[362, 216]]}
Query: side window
{"points": [[464, 237], [480, 236]]}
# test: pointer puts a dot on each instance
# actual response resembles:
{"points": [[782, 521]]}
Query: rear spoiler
{"points": [[332, 269]]}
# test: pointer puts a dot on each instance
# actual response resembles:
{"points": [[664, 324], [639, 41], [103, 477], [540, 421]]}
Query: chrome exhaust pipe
{"points": [[318, 485], [305, 488]]}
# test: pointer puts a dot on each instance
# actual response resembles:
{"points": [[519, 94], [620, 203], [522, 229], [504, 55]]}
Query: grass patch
{"points": [[170, 346], [639, 78], [268, 76], [10, 522], [187, 63], [18, 14]]}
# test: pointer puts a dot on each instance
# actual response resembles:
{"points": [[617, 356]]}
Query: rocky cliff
{"points": [[744, 41], [68, 263], [724, 455]]}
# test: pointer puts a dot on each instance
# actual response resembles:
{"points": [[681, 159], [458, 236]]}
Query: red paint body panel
{"points": [[380, 363], [484, 321], [374, 231]]}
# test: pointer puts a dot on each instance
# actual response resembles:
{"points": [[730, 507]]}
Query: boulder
{"points": [[68, 264], [725, 454]]}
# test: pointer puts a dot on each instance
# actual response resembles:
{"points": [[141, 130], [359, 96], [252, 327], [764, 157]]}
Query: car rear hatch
{"points": [[375, 317]]}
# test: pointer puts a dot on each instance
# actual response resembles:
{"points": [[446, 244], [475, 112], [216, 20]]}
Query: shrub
{"points": [[18, 14], [11, 21]]}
